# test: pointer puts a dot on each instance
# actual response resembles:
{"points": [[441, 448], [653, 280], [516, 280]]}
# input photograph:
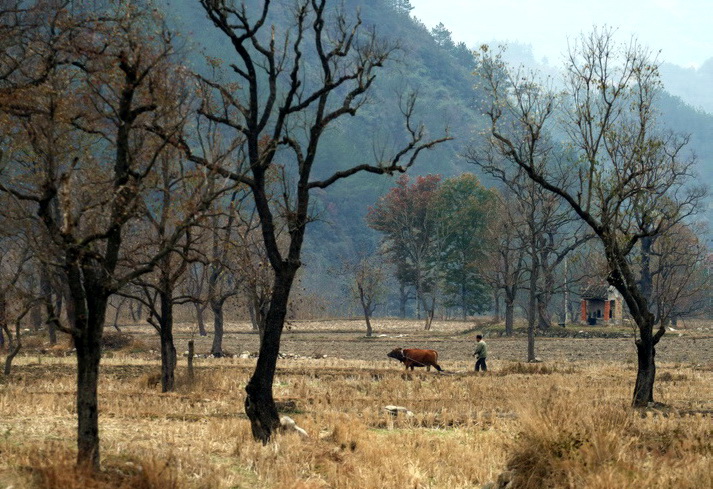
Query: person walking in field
{"points": [[480, 354]]}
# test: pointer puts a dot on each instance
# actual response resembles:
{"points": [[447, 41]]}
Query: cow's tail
{"points": [[435, 361]]}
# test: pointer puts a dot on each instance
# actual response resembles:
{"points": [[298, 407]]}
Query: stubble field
{"points": [[565, 422]]}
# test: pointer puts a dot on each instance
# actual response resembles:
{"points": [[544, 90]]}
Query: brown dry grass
{"points": [[557, 424]]}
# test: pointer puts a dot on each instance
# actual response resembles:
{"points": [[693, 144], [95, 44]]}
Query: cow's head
{"points": [[396, 353]]}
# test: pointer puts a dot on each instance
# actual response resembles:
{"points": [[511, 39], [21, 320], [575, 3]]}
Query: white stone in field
{"points": [[395, 410], [288, 424]]}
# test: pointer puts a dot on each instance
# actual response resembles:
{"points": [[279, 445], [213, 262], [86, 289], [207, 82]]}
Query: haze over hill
{"points": [[440, 70]]}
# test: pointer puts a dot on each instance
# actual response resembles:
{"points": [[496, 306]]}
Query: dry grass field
{"points": [[562, 423]]}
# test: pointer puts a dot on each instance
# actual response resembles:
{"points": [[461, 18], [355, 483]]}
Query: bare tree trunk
{"points": [[200, 309], [259, 402], [3, 317], [217, 307], [191, 354], [430, 311], [14, 350], [253, 315], [645, 373], [87, 341], [509, 315], [367, 311], [544, 319], [403, 300], [532, 306], [11, 356], [18, 344], [168, 349], [369, 330], [496, 305], [116, 316], [88, 356]]}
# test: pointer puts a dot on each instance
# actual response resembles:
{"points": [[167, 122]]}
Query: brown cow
{"points": [[414, 357]]}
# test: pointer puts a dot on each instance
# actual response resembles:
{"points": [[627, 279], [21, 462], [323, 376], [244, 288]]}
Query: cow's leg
{"points": [[428, 368]]}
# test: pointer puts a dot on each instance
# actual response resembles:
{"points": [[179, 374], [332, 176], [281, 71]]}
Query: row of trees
{"points": [[125, 174], [616, 170]]}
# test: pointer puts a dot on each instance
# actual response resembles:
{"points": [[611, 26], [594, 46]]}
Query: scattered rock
{"points": [[395, 410], [288, 424]]}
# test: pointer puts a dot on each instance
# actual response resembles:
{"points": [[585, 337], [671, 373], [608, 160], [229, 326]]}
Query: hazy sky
{"points": [[681, 29]]}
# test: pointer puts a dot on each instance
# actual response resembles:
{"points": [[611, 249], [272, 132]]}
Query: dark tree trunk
{"points": [[131, 311], [464, 299], [253, 315], [217, 307], [496, 306], [3, 318], [87, 342], [11, 355], [403, 300], [645, 345], [430, 311], [14, 350], [259, 403], [532, 306], [200, 309], [36, 318], [168, 349], [367, 310], [52, 331], [191, 354], [544, 319], [116, 316], [369, 330], [509, 315], [645, 373], [88, 356]]}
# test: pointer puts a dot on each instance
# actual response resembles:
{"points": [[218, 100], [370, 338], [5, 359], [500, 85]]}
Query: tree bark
{"points": [[191, 354], [200, 309], [367, 310], [3, 317], [509, 315], [645, 373], [532, 306], [259, 403], [496, 306], [403, 300], [217, 307], [88, 356], [87, 341], [168, 349], [14, 350]]}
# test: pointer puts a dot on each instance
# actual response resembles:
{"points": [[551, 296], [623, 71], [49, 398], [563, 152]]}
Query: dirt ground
{"points": [[454, 340], [335, 383]]}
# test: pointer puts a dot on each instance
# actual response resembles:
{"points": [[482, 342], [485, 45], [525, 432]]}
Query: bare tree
{"points": [[625, 177], [164, 215], [279, 111], [366, 283], [680, 285], [506, 269], [89, 148]]}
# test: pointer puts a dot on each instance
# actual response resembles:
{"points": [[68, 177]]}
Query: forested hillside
{"points": [[440, 71]]}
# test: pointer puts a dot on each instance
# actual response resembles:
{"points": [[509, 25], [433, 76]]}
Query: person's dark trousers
{"points": [[480, 365]]}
